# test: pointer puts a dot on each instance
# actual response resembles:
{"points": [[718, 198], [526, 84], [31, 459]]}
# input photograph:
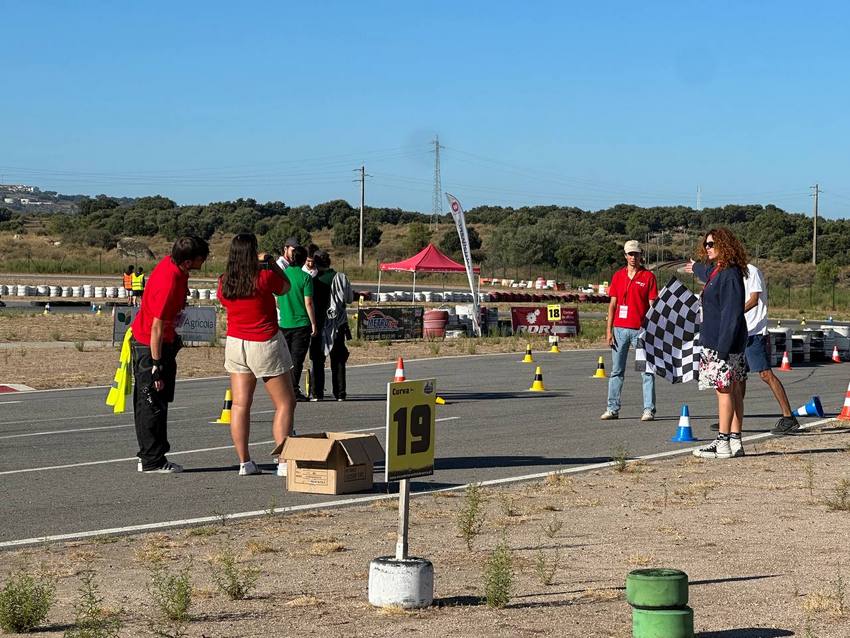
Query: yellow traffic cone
{"points": [[528, 358], [224, 419], [554, 349], [600, 370], [537, 384], [440, 401]]}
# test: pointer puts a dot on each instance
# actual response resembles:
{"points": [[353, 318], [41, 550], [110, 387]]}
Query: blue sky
{"points": [[586, 104]]}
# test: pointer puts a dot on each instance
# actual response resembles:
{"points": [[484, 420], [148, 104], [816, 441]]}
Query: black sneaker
{"points": [[715, 426], [786, 425], [300, 396]]}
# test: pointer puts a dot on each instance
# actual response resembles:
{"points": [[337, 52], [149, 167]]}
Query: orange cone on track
{"points": [[836, 358], [845, 411], [399, 371], [786, 364]]}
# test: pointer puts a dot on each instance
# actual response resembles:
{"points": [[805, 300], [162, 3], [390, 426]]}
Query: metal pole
{"points": [[403, 519], [362, 205], [815, 227]]}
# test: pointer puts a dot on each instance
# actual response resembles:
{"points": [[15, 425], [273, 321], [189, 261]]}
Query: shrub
{"points": [[25, 601], [498, 575], [231, 579]]}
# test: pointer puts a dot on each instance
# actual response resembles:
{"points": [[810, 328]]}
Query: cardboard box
{"points": [[330, 462]]}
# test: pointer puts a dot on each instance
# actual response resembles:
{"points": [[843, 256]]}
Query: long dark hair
{"points": [[240, 276]]}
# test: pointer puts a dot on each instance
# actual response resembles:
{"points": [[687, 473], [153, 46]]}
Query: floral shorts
{"points": [[718, 373]]}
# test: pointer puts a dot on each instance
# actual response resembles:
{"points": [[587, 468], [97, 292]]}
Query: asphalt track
{"points": [[67, 464]]}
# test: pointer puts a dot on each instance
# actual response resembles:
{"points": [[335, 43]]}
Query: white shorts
{"points": [[260, 358]]}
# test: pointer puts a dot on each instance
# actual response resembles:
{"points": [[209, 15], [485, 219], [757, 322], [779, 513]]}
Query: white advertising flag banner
{"points": [[460, 223]]}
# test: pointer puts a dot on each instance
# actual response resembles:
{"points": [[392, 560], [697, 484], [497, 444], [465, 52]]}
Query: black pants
{"points": [[150, 408], [339, 355], [298, 340]]}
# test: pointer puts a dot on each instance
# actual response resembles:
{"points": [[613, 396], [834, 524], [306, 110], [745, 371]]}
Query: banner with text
{"points": [[535, 320], [195, 324], [390, 323]]}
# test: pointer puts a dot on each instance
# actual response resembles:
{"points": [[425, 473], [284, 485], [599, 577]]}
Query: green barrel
{"points": [[663, 623], [657, 588]]}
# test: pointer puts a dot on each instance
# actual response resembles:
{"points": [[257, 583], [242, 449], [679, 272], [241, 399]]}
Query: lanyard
{"points": [[629, 285]]}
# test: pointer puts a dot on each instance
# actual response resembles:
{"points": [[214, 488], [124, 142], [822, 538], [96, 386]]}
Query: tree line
{"points": [[568, 239]]}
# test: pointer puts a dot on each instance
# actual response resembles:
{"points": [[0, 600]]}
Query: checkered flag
{"points": [[669, 345]]}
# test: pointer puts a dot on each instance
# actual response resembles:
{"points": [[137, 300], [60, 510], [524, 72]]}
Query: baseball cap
{"points": [[632, 246], [291, 241]]}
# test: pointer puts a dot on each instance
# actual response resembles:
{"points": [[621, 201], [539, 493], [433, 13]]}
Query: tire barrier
{"points": [[659, 601], [84, 291]]}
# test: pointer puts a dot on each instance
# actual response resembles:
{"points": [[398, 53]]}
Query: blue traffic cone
{"points": [[684, 434], [812, 408]]}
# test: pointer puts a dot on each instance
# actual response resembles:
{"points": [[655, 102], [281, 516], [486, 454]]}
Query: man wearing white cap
{"points": [[632, 290]]}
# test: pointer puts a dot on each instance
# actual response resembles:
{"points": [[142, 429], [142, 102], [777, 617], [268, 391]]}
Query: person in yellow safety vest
{"points": [[138, 286], [128, 282]]}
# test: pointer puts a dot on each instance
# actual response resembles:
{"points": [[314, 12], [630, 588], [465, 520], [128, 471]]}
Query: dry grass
{"points": [[325, 548], [304, 601]]}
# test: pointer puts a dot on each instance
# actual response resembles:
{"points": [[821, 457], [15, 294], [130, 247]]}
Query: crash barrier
{"points": [[85, 291], [427, 296]]}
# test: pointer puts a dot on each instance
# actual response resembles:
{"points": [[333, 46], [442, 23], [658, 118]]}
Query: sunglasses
{"points": [[709, 244]]}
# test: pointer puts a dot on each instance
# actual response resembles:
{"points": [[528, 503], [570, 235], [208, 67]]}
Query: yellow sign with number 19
{"points": [[410, 429]]}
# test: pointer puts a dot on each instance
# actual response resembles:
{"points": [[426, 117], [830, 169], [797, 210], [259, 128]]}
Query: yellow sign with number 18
{"points": [[410, 429]]}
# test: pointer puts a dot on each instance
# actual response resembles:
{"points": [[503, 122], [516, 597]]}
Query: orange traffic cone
{"points": [[835, 356], [844, 415], [399, 371], [786, 364]]}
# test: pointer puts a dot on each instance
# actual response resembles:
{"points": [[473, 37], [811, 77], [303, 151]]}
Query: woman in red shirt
{"points": [[255, 347]]}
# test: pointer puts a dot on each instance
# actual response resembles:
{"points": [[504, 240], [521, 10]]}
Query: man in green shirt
{"points": [[297, 318]]}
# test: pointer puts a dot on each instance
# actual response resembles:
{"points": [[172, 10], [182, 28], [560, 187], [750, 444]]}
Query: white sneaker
{"points": [[281, 468], [647, 416], [717, 449], [248, 468], [168, 468], [608, 415], [736, 446]]}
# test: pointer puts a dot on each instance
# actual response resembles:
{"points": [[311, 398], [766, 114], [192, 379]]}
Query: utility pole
{"points": [[437, 198], [699, 198], [816, 190], [362, 181]]}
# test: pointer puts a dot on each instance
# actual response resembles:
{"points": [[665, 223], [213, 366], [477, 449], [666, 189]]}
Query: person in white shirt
{"points": [[755, 309], [285, 259]]}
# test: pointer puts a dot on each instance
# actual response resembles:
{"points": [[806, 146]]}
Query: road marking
{"points": [[10, 402], [357, 365], [148, 527], [28, 434], [133, 458], [74, 418]]}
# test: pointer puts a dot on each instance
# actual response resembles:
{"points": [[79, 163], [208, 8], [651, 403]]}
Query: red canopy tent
{"points": [[429, 259]]}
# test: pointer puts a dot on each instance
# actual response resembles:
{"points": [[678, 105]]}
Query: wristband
{"points": [[157, 363]]}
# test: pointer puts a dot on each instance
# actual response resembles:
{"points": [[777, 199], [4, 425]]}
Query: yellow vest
{"points": [[138, 282]]}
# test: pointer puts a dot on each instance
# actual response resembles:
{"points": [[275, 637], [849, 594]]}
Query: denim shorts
{"points": [[757, 359]]}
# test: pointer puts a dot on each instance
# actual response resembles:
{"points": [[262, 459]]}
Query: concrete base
{"points": [[405, 583]]}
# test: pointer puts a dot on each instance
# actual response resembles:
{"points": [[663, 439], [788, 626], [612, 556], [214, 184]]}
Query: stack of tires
{"points": [[659, 600]]}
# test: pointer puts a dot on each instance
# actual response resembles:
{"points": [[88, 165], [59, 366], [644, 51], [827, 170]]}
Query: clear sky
{"points": [[572, 103]]}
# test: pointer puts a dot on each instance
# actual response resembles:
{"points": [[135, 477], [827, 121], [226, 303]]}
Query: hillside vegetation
{"points": [[563, 242]]}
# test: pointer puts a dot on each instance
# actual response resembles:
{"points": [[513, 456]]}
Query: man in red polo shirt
{"points": [[632, 289], [155, 345]]}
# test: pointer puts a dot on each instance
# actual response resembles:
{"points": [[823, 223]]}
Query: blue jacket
{"points": [[724, 327]]}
